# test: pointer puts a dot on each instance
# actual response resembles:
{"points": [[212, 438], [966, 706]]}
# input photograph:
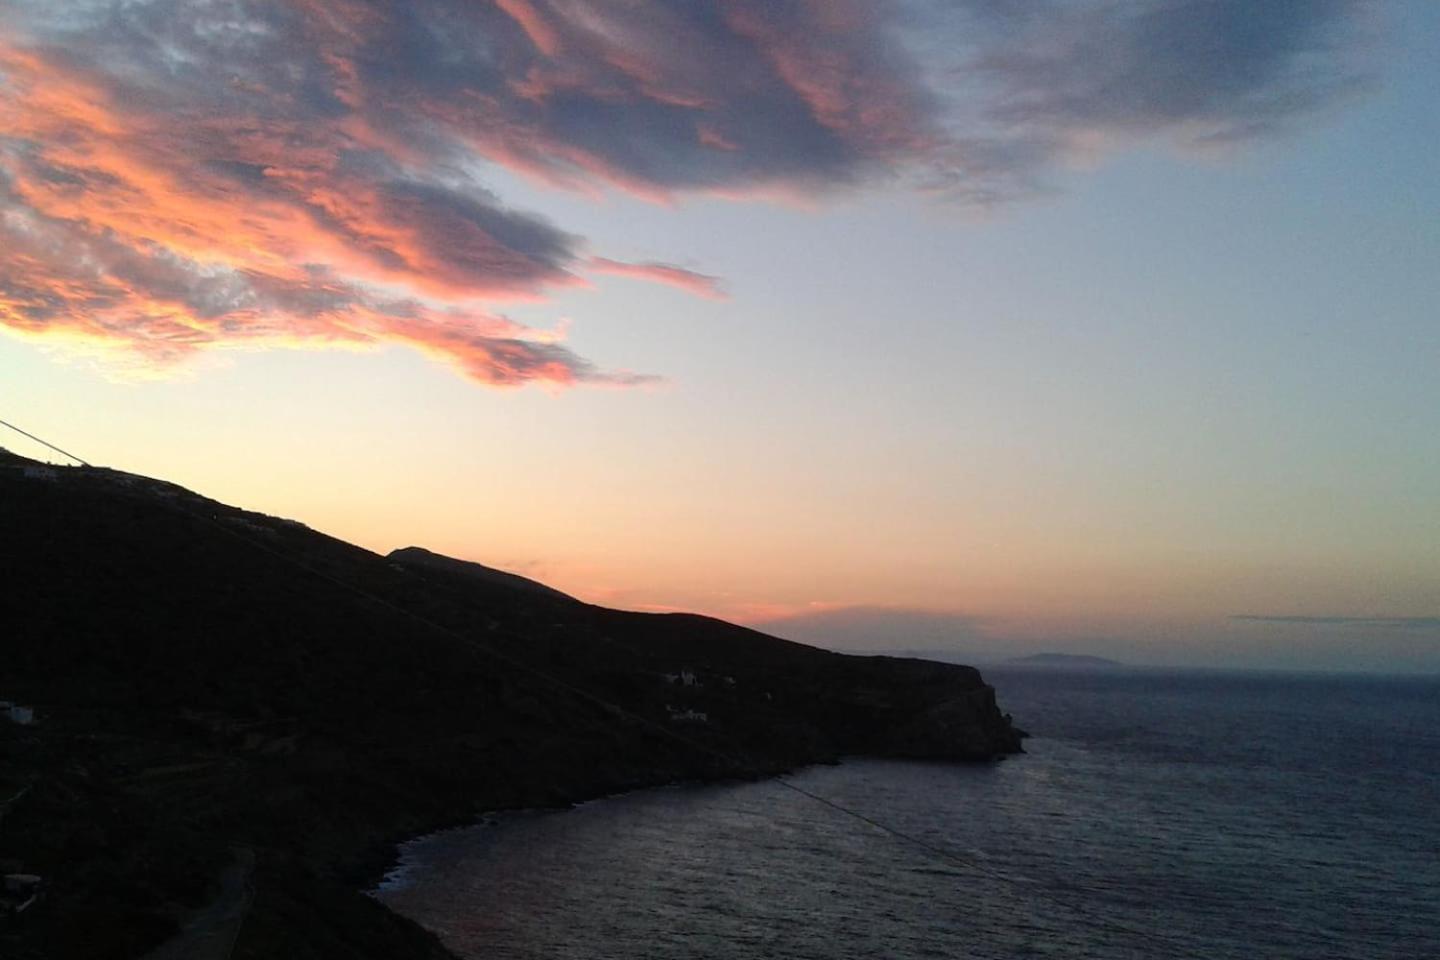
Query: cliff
{"points": [[215, 686]]}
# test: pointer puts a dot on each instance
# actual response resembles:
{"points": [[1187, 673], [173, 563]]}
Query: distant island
{"points": [[220, 722], [1071, 661]]}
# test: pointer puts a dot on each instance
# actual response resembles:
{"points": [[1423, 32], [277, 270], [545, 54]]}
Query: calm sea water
{"points": [[1156, 814]]}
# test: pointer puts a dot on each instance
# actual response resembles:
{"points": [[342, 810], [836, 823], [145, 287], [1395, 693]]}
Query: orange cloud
{"points": [[165, 233]]}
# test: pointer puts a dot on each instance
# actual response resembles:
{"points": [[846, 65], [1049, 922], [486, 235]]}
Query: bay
{"points": [[1155, 813]]}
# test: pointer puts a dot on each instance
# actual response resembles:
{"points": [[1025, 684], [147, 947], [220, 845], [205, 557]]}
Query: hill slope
{"points": [[215, 685]]}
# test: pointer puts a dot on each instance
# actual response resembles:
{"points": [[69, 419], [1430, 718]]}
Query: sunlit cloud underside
{"points": [[177, 177]]}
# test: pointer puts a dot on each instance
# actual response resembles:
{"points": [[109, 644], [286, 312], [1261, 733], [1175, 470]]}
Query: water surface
{"points": [[1156, 814]]}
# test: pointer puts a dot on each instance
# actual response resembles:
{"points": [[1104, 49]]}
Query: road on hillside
{"points": [[210, 933]]}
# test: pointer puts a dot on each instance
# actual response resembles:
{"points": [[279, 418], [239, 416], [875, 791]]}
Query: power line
{"points": [[44, 443]]}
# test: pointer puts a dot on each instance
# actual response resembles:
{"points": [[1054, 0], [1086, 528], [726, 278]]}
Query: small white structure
{"points": [[688, 716], [684, 678], [39, 472], [15, 713]]}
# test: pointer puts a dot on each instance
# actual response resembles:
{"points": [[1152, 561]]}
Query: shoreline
{"points": [[494, 817], [378, 868]]}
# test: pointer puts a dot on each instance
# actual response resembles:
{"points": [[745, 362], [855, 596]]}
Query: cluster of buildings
{"points": [[684, 678]]}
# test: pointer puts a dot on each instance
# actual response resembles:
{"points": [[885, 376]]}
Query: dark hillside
{"points": [[212, 685], [476, 578]]}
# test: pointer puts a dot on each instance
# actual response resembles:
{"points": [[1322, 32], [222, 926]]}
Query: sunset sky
{"points": [[980, 327]]}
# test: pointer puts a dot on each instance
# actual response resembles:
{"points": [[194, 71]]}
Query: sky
{"points": [[974, 328]]}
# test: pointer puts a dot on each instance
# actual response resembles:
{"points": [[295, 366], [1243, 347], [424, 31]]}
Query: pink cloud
{"points": [[162, 234], [700, 284], [536, 27]]}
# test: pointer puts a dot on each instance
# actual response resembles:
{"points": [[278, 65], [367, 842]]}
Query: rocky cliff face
{"points": [[208, 679]]}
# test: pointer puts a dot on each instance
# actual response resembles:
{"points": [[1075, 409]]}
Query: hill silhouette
{"points": [[215, 686], [477, 576]]}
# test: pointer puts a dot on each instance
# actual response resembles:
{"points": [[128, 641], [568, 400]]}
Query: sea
{"points": [[1155, 814]]}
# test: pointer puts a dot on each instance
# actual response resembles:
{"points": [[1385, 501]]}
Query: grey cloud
{"points": [[673, 95], [1235, 67], [1039, 82]]}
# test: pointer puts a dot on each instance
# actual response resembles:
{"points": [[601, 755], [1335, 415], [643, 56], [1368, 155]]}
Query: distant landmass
{"points": [[220, 722], [1077, 661]]}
